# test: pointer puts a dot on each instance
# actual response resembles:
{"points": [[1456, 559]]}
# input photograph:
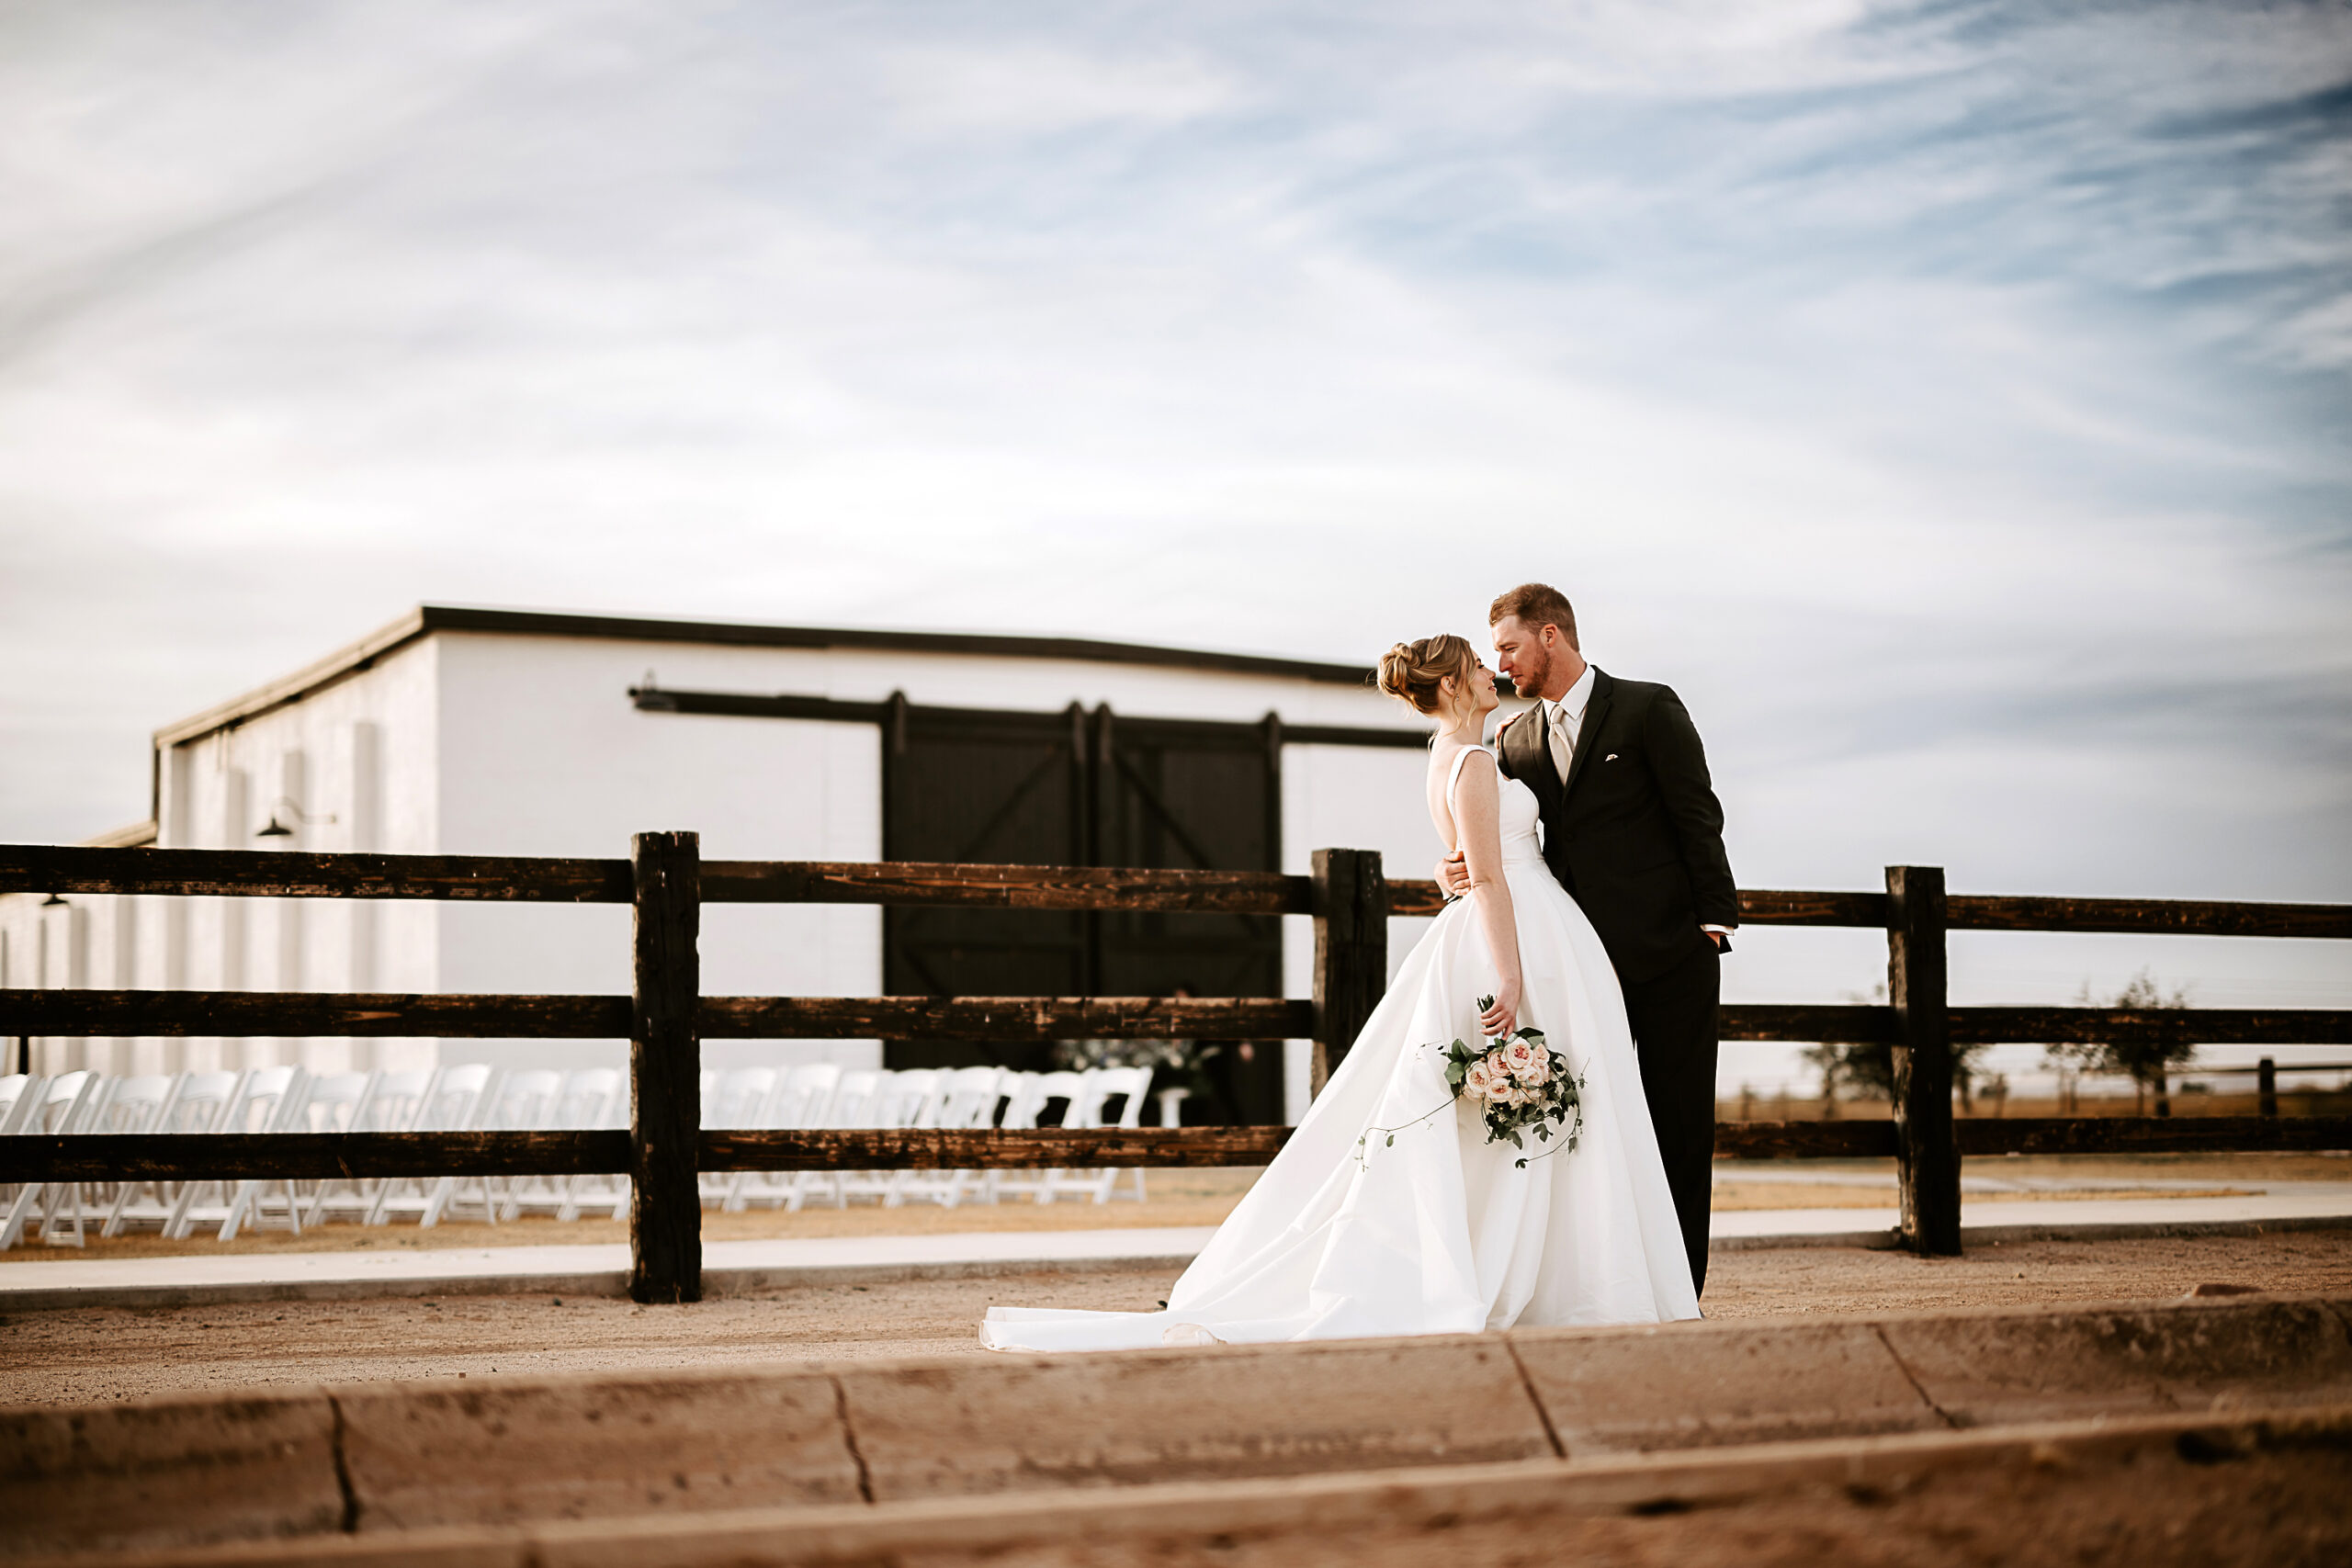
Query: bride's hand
{"points": [[1503, 1017]]}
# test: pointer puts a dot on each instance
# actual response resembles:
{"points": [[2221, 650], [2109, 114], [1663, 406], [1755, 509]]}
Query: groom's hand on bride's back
{"points": [[1454, 875]]}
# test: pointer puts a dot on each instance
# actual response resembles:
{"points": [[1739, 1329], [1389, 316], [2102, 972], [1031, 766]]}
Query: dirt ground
{"points": [[92, 1356], [1178, 1197]]}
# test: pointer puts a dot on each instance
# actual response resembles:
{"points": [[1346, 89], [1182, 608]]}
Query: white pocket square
{"points": [[1610, 757]]}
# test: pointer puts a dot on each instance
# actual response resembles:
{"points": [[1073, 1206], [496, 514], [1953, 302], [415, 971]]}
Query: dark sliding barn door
{"points": [[1088, 789], [996, 788]]}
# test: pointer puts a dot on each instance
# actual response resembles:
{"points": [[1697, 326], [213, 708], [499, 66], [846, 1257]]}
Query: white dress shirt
{"points": [[1564, 720]]}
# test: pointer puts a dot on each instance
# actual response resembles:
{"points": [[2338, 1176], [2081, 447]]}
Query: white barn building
{"points": [[458, 730]]}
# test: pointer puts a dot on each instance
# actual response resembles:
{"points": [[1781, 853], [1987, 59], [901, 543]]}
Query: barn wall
{"points": [[543, 753], [217, 791]]}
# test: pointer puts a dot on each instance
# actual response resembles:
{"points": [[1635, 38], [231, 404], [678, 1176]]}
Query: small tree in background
{"points": [[2145, 1059], [1996, 1090], [1866, 1071], [1829, 1062]]}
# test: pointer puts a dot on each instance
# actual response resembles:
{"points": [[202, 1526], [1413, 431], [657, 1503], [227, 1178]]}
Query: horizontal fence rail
{"points": [[2154, 916], [297, 1014], [1001, 1148], [310, 1157], [308, 873], [300, 874], [301, 1156], [1346, 895], [908, 883], [457, 1015]]}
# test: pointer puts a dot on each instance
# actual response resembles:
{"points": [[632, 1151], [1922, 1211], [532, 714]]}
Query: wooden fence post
{"points": [[2265, 1086], [665, 1070], [1927, 1150], [1351, 908]]}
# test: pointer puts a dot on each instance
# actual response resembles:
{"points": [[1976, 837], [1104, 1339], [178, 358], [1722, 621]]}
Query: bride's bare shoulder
{"points": [[1452, 761]]}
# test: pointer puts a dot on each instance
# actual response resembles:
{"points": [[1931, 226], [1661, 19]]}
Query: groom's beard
{"points": [[1530, 679]]}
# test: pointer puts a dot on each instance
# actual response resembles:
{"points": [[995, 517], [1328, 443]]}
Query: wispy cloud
{"points": [[1910, 382]]}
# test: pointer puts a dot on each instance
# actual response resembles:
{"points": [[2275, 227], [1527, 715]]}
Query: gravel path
{"points": [[96, 1355]]}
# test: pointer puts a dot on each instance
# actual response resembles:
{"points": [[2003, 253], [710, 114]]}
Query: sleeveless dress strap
{"points": [[1460, 757]]}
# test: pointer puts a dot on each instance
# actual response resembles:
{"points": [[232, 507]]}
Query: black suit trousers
{"points": [[1674, 1033]]}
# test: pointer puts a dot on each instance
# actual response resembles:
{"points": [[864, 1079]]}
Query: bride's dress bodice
{"points": [[1520, 815]]}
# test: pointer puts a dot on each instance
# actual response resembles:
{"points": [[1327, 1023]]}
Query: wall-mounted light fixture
{"points": [[292, 807]]}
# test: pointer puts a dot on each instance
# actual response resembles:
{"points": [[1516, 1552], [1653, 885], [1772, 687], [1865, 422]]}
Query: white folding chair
{"points": [[968, 1101], [576, 1105], [604, 1093], [329, 1104], [519, 1102], [451, 1103], [1029, 1097], [906, 1100], [1099, 1086], [19, 1092], [63, 1104], [858, 1101], [247, 1205], [735, 1099], [15, 1102], [801, 1099], [130, 1105], [259, 1102], [389, 1104], [194, 1103]]}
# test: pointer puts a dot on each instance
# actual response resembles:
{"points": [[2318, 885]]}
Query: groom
{"points": [[1633, 831]]}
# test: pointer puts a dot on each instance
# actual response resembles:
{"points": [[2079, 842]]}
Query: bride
{"points": [[1379, 1217]]}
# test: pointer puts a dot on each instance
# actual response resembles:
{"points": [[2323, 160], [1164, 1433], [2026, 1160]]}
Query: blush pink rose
{"points": [[1499, 1074], [1538, 1070]]}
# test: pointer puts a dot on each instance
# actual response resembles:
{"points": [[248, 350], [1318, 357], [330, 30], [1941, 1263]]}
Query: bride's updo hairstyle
{"points": [[1410, 671]]}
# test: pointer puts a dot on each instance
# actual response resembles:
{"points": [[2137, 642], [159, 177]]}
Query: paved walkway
{"points": [[736, 1265]]}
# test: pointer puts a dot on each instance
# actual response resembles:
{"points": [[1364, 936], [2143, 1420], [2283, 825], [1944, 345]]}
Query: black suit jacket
{"points": [[1636, 835]]}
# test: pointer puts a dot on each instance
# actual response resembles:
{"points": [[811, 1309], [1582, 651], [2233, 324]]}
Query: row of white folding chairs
{"points": [[287, 1098], [467, 1097], [825, 1096]]}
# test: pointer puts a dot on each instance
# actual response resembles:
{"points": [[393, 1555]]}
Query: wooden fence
{"points": [[666, 1017]]}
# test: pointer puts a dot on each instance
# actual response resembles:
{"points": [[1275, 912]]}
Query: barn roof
{"points": [[427, 619]]}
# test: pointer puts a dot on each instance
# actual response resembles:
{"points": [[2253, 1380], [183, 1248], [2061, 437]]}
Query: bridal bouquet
{"points": [[1520, 1084]]}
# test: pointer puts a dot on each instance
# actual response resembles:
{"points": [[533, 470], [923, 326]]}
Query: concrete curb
{"points": [[391, 1458], [741, 1280], [2169, 1490]]}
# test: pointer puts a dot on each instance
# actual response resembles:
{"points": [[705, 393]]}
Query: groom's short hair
{"points": [[1537, 605]]}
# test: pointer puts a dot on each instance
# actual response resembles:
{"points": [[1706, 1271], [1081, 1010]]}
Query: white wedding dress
{"points": [[1439, 1232]]}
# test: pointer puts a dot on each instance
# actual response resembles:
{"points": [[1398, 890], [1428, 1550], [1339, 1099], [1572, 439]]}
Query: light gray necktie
{"points": [[1564, 740]]}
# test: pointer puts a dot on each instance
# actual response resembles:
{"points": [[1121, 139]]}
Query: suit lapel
{"points": [[1596, 710], [1528, 762]]}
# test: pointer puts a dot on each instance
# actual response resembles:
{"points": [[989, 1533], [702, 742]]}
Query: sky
{"points": [[1951, 399]]}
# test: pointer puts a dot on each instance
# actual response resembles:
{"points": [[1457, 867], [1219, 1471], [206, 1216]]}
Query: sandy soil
{"points": [[96, 1355]]}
